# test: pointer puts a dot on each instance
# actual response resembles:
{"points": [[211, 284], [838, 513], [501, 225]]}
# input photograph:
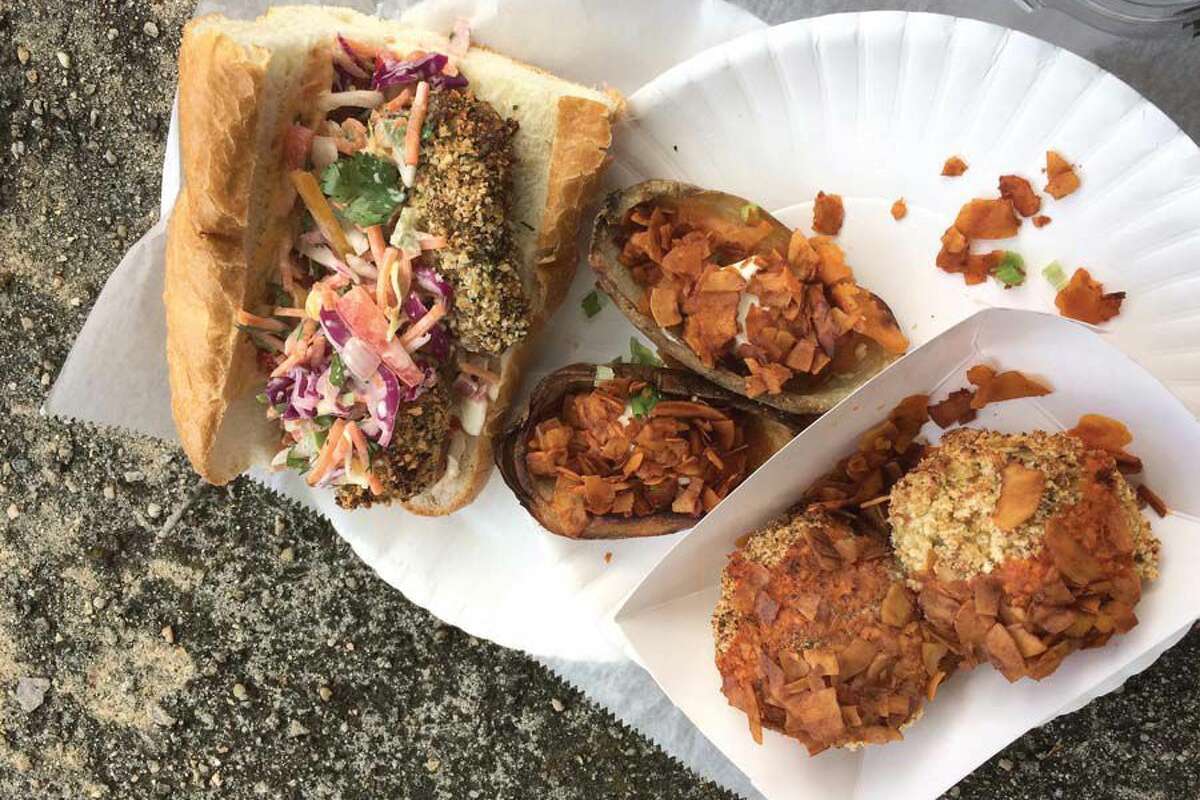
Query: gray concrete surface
{"points": [[161, 638]]}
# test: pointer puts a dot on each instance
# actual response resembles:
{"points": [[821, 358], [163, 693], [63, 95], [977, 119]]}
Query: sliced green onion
{"points": [[1055, 274], [640, 354], [749, 213], [337, 372], [319, 438], [604, 373], [592, 302], [1011, 271], [261, 397], [644, 401]]}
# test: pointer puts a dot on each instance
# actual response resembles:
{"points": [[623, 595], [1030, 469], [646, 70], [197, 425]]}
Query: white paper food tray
{"points": [[666, 619]]}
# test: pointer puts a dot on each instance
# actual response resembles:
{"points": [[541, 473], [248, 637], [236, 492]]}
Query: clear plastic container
{"points": [[1142, 18]]}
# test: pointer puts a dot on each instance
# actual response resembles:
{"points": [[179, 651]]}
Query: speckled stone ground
{"points": [[162, 638]]}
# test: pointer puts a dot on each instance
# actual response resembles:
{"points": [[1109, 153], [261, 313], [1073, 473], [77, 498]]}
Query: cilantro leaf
{"points": [[337, 372], [592, 303], [296, 462], [369, 188], [640, 354]]}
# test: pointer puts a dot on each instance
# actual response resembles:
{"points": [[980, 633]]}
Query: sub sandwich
{"points": [[374, 222]]}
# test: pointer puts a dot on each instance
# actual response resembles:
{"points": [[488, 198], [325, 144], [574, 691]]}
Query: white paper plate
{"points": [[870, 105]]}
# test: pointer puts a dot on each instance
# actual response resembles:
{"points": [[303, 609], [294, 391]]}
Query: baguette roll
{"points": [[243, 85]]}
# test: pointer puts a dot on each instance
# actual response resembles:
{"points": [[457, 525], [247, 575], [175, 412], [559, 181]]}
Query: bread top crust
{"points": [[223, 246]]}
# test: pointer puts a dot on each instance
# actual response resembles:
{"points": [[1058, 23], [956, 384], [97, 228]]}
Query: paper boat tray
{"points": [[666, 618]]}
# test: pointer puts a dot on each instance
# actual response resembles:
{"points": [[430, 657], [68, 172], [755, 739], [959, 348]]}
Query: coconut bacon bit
{"points": [[954, 167], [899, 209], [1020, 192], [828, 214], [1084, 299], [608, 455], [1061, 179], [769, 317]]}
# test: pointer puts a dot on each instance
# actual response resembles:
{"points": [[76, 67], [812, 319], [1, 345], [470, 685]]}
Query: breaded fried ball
{"points": [[817, 636], [1024, 547]]}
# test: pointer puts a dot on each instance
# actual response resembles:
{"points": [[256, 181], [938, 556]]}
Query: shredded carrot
{"points": [[428, 241], [423, 325], [416, 118], [478, 372], [326, 457], [289, 362], [314, 199], [378, 245], [399, 102], [254, 321], [360, 442], [288, 311]]}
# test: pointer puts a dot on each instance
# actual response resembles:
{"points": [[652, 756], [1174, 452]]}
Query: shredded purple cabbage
{"points": [[438, 345], [297, 392], [389, 72]]}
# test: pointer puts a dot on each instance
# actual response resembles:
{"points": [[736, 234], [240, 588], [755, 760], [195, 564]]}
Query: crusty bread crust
{"points": [[576, 165], [223, 245], [211, 365], [220, 92]]}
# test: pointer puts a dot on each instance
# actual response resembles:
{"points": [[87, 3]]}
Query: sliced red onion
{"points": [[414, 308], [433, 283], [439, 343], [336, 329], [325, 257], [360, 358], [361, 267]]}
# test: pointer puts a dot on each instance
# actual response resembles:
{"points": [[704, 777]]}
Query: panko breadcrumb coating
{"points": [[1021, 588], [463, 193], [817, 636], [946, 506]]}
